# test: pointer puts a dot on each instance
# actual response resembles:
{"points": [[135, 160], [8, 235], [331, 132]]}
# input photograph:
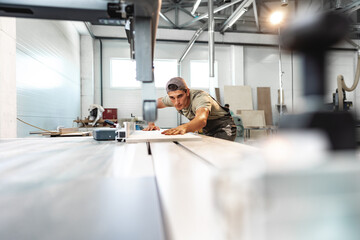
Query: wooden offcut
{"points": [[252, 118], [68, 130], [264, 103], [217, 94], [254, 121], [238, 97], [156, 136]]}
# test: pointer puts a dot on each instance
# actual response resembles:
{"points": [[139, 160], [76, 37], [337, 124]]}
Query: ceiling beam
{"points": [[243, 8], [205, 15]]}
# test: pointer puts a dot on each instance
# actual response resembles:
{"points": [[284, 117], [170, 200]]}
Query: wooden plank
{"points": [[217, 94], [156, 136], [252, 118], [64, 177], [72, 134], [264, 103], [238, 97], [235, 152], [68, 130], [186, 186]]}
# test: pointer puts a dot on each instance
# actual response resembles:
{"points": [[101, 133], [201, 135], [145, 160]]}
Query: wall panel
{"points": [[48, 74]]}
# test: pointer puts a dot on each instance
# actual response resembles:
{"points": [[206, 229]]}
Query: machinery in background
{"points": [[339, 96], [117, 133], [95, 111], [312, 39], [98, 116], [335, 105], [103, 134]]}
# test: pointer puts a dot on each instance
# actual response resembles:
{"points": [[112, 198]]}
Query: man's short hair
{"points": [[227, 105], [176, 83]]}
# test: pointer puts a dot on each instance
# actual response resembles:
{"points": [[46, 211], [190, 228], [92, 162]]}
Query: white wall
{"points": [[7, 78], [87, 74], [48, 74], [262, 70]]}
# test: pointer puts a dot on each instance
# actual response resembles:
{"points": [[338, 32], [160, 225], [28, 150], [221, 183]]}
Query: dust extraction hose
{"points": [[341, 84]]}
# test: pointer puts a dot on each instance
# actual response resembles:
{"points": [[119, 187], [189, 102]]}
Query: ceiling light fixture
{"points": [[196, 5], [276, 18], [284, 3]]}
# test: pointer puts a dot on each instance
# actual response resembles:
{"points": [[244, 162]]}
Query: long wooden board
{"points": [[238, 97], [217, 94], [264, 103], [156, 136]]}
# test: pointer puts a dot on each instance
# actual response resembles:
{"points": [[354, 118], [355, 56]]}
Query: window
{"points": [[123, 72], [199, 73], [164, 70]]}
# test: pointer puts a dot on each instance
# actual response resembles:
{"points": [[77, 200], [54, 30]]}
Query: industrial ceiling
{"points": [[250, 16]]}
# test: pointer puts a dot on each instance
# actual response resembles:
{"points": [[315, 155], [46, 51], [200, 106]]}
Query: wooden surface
{"points": [[186, 189], [156, 136], [238, 97], [264, 103], [79, 188], [223, 154]]}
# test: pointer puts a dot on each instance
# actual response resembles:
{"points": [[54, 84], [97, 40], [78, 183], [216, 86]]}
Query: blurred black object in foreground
{"points": [[311, 37]]}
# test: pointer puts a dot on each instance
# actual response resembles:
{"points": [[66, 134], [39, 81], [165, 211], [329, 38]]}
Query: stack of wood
{"points": [[256, 121], [64, 132]]}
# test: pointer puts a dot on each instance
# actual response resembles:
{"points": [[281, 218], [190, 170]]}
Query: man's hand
{"points": [[151, 127], [196, 124], [182, 129]]}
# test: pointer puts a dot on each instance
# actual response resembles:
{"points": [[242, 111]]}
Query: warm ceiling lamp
{"points": [[276, 18]]}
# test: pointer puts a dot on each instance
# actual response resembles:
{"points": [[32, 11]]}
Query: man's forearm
{"points": [[195, 125]]}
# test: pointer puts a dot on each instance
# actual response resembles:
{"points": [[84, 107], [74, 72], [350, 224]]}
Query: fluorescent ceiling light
{"points": [[196, 5]]}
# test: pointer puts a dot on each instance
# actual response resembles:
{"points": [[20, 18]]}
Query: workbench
{"points": [[79, 188]]}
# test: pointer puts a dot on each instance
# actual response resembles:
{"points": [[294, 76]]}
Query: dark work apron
{"points": [[222, 127]]}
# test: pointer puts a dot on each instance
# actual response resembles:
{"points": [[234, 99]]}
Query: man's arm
{"points": [[151, 126], [160, 103], [196, 124]]}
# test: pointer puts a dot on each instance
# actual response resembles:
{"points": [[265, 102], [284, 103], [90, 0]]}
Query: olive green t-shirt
{"points": [[199, 99]]}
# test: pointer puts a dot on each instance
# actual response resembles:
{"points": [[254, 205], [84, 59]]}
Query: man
{"points": [[200, 108]]}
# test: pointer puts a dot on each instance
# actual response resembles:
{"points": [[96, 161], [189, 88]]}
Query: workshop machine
{"points": [[336, 101], [312, 38], [339, 102], [95, 113], [117, 132], [141, 16]]}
